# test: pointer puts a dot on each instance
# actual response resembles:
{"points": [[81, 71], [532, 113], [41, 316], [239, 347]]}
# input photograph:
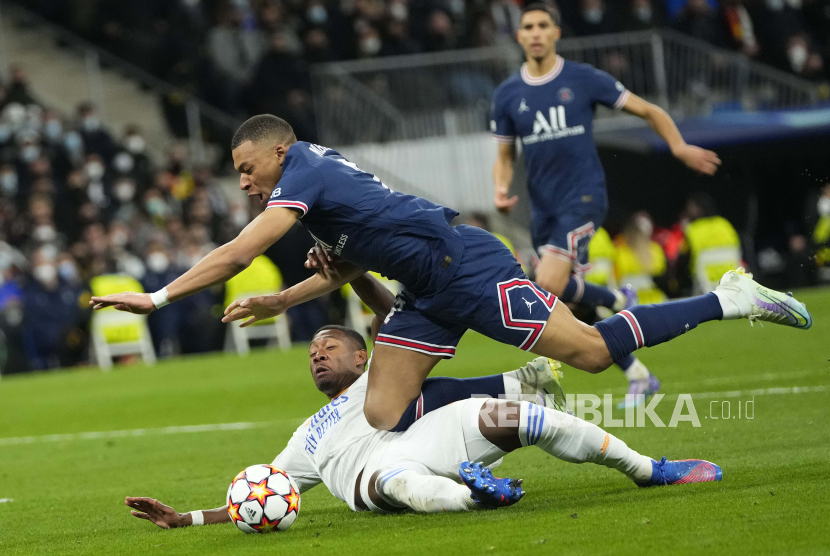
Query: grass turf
{"points": [[68, 491]]}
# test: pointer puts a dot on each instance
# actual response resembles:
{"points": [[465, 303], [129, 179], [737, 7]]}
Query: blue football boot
{"points": [[489, 491], [678, 472]]}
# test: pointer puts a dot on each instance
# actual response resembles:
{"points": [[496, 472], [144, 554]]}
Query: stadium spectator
{"points": [[701, 21], [641, 15], [639, 261], [595, 19]]}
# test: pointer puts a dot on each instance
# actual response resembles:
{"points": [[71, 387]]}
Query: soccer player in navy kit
{"points": [[454, 278], [549, 106]]}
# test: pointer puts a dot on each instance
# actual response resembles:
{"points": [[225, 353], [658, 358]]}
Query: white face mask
{"points": [[46, 274], [398, 11], [124, 191], [593, 15], [798, 57], [134, 144], [370, 46], [119, 238], [317, 14], [239, 218], [123, 162], [8, 184], [53, 130], [94, 171], [643, 13], [68, 271], [775, 5], [91, 123], [645, 226], [30, 153], [824, 206], [158, 262], [44, 234]]}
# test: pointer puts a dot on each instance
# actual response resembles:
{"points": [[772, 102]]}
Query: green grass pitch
{"points": [[64, 494]]}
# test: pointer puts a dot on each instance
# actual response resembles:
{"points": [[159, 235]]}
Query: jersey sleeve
{"points": [[299, 191], [606, 90], [501, 124], [297, 463]]}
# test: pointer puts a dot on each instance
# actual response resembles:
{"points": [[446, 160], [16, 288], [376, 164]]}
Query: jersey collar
{"points": [[548, 77]]}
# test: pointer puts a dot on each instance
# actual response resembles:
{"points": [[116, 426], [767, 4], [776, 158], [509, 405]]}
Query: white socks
{"points": [[571, 439], [424, 493], [637, 371]]}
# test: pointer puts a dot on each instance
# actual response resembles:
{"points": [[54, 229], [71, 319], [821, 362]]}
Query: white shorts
{"points": [[436, 444]]}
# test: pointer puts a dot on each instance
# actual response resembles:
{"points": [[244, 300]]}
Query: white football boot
{"points": [[741, 297], [540, 383]]}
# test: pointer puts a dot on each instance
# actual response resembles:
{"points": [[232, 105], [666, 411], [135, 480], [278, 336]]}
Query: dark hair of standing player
{"points": [[552, 11]]}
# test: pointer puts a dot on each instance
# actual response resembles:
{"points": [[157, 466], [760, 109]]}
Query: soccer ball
{"points": [[263, 499]]}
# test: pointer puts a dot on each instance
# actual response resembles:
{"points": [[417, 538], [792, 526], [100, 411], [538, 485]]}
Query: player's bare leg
{"points": [[573, 342], [553, 273], [395, 379]]}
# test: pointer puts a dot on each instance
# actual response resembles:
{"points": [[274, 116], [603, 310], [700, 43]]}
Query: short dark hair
{"points": [[351, 334], [264, 126], [550, 9]]}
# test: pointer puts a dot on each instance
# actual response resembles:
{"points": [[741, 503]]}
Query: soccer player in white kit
{"points": [[434, 465]]}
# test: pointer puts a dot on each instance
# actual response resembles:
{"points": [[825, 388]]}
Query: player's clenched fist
{"points": [[504, 203], [130, 302], [257, 308]]}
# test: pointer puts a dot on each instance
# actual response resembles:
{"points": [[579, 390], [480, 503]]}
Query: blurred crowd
{"points": [[253, 56], [78, 201]]}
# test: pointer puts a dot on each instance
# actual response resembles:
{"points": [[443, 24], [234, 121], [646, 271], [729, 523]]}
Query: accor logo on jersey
{"points": [[552, 126]]}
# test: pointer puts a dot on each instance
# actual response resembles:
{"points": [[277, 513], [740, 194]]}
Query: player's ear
{"points": [[362, 357], [280, 151], [557, 32]]}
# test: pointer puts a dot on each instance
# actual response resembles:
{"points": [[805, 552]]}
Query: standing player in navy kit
{"points": [[549, 105], [454, 278]]}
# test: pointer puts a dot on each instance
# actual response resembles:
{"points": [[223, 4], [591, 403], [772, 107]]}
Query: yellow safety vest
{"points": [[260, 278], [115, 326], [820, 236], [714, 241], [631, 271], [601, 255]]}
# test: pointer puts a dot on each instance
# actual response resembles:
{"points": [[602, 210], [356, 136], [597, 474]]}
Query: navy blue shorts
{"points": [[489, 293], [567, 234]]}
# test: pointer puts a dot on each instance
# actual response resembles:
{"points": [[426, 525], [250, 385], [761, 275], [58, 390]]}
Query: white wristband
{"points": [[198, 517], [159, 298]]}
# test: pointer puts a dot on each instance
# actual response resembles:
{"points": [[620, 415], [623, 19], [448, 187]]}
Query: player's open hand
{"points": [[699, 160], [256, 309], [318, 258], [154, 511], [130, 302], [504, 203]]}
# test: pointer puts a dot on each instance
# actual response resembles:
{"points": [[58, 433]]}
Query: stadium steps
{"points": [[58, 78]]}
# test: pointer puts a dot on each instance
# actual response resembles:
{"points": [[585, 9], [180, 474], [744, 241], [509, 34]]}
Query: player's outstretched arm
{"points": [[266, 306], [503, 177], [167, 518], [217, 267], [700, 160]]}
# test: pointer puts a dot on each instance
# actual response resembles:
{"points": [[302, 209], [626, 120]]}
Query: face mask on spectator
{"points": [[239, 218], [67, 271], [53, 130], [46, 274], [775, 5], [123, 162], [798, 57], [73, 142], [317, 14], [156, 207], [645, 226], [94, 171], [457, 7], [643, 13], [593, 15], [824, 206], [8, 183], [124, 191], [30, 153], [44, 234], [134, 144], [49, 251], [398, 11], [5, 133], [370, 46], [119, 238], [158, 262], [91, 123]]}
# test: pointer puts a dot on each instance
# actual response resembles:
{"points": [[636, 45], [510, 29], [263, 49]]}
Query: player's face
{"points": [[335, 363], [259, 166], [538, 34]]}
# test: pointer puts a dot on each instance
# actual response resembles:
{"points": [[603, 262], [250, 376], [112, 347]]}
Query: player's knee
{"points": [[594, 357], [552, 283], [380, 417]]}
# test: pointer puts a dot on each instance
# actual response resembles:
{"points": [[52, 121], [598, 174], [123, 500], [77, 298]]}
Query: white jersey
{"points": [[333, 445]]}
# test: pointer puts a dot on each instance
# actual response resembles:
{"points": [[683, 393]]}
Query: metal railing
{"points": [[196, 111], [381, 112]]}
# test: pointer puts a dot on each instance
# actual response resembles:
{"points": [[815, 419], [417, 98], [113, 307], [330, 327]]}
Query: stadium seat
{"points": [[117, 333], [261, 278]]}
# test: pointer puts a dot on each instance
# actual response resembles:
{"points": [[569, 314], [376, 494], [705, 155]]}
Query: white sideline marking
{"points": [[96, 435], [5, 500]]}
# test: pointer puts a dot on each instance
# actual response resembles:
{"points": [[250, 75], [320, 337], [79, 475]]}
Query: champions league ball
{"points": [[263, 499]]}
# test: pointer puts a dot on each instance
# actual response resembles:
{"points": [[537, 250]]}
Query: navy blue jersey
{"points": [[354, 215], [553, 116]]}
